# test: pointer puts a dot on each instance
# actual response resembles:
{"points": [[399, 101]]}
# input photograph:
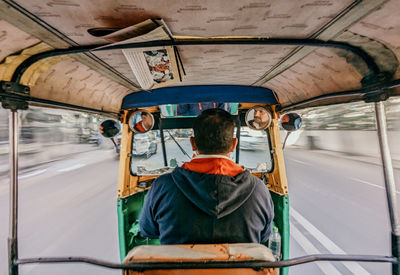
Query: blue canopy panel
{"points": [[196, 94]]}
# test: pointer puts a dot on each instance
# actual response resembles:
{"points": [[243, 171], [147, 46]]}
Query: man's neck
{"points": [[202, 156]]}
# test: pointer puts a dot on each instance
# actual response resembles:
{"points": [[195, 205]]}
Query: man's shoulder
{"points": [[258, 183], [167, 177], [248, 174]]}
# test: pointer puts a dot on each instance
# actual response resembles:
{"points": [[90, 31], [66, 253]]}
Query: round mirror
{"points": [[258, 118], [291, 122], [109, 128], [141, 121]]}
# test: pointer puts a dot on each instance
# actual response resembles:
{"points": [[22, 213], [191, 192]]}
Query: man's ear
{"points": [[234, 143], [194, 147]]}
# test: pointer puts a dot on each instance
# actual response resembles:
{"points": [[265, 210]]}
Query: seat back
{"points": [[205, 253]]}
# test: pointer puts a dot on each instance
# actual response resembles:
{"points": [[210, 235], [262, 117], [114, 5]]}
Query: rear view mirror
{"points": [[141, 121], [291, 122], [109, 128], [258, 118]]}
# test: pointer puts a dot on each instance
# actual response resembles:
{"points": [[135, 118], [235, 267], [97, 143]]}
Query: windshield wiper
{"points": [[180, 147]]}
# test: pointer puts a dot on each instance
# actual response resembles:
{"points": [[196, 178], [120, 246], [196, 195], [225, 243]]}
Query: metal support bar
{"points": [[257, 265], [389, 180], [164, 151], [387, 166], [13, 230], [238, 138], [369, 61], [361, 94]]}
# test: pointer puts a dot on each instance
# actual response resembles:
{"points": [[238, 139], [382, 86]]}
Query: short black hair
{"points": [[213, 131]]}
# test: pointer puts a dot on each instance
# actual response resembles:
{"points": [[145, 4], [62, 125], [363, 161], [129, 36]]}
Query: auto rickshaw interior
{"points": [[286, 55]]}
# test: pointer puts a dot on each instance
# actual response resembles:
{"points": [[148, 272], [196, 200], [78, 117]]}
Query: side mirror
{"points": [[109, 128], [141, 121], [258, 118], [290, 122]]}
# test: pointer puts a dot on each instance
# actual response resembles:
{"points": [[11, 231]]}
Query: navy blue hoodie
{"points": [[191, 207]]}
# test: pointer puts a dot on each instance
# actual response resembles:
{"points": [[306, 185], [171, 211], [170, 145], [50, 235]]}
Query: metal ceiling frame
{"points": [[369, 61], [376, 79]]}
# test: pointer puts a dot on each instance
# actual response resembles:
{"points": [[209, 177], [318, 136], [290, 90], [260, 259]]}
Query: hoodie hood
{"points": [[216, 195]]}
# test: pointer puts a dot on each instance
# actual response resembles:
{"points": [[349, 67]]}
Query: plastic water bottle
{"points": [[275, 243]]}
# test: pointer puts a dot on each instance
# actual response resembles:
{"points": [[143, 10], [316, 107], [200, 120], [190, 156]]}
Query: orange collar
{"points": [[140, 126], [216, 166]]}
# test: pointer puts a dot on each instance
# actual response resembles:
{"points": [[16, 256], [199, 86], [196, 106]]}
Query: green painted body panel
{"points": [[121, 226], [281, 204], [128, 228]]}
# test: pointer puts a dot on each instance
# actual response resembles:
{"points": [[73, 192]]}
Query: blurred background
{"points": [[48, 134], [347, 128], [69, 172]]}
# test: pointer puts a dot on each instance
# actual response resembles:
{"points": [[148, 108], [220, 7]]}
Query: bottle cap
{"points": [[275, 229]]}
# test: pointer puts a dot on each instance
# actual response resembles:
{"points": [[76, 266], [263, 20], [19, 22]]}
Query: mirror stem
{"points": [[115, 144], [284, 142]]}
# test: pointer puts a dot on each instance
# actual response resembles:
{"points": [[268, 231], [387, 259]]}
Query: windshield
{"points": [[148, 159], [194, 109]]}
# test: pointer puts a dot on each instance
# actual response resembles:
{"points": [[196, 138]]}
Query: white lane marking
{"points": [[326, 242], [73, 167], [368, 183], [302, 162], [309, 248], [31, 174], [371, 184]]}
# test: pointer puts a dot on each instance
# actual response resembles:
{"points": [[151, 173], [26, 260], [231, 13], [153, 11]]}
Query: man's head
{"points": [[213, 132], [261, 116], [147, 121]]}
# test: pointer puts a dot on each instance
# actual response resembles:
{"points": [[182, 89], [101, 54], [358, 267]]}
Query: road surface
{"points": [[68, 208], [337, 206]]}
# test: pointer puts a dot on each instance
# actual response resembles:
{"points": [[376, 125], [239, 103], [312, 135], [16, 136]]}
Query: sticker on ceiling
{"points": [[153, 67]]}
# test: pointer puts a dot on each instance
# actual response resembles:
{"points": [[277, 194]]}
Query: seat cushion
{"points": [[200, 252]]}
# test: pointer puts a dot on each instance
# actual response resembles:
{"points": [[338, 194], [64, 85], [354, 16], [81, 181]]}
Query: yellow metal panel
{"points": [[11, 62], [34, 71], [277, 179], [124, 169]]}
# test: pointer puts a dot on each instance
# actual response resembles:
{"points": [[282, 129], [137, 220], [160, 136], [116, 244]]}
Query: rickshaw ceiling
{"points": [[206, 36]]}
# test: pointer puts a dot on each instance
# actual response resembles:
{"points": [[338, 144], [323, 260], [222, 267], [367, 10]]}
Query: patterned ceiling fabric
{"points": [[81, 84], [233, 64], [12, 40], [320, 72], [326, 71], [193, 18], [117, 60], [316, 72], [206, 64], [384, 27]]}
